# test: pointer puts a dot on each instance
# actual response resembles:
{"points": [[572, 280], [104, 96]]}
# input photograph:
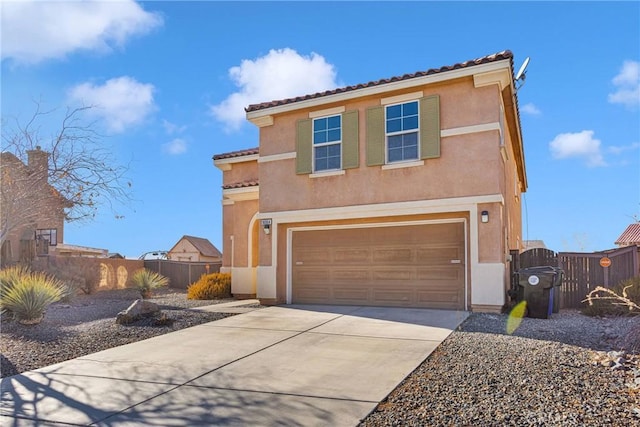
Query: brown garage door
{"points": [[408, 266]]}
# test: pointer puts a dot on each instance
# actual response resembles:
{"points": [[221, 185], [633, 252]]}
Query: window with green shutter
{"points": [[405, 131], [327, 143]]}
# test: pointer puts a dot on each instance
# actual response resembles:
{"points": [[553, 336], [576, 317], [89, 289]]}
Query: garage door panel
{"points": [[351, 294], [357, 255], [442, 255], [403, 297], [313, 294], [314, 256], [394, 255], [391, 274], [350, 275], [312, 275], [396, 266]]}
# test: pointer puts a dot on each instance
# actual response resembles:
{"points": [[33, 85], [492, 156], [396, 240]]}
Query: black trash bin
{"points": [[537, 286]]}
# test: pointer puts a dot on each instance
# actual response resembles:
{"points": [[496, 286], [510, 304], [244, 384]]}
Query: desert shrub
{"points": [[145, 281], [622, 299], [211, 286], [9, 276], [26, 294]]}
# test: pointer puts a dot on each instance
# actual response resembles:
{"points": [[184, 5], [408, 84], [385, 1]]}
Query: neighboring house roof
{"points": [[533, 244], [204, 246], [239, 153], [630, 236], [243, 184], [506, 54]]}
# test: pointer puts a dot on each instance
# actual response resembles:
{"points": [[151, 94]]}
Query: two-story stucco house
{"points": [[398, 192]]}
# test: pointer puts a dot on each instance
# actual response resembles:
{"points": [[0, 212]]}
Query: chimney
{"points": [[38, 160]]}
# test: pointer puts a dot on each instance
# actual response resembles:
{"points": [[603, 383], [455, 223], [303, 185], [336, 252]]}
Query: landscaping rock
{"points": [[139, 309]]}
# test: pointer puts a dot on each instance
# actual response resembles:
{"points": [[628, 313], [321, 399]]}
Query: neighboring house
{"points": [[31, 210], [399, 192], [630, 236], [190, 248], [79, 251]]}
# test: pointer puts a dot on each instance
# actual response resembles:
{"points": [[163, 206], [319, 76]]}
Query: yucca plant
{"points": [[145, 281], [26, 295]]}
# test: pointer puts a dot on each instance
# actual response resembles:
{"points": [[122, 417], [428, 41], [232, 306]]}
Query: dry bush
{"points": [[211, 286], [623, 299]]}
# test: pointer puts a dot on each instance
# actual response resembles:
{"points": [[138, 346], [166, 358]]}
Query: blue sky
{"points": [[170, 81]]}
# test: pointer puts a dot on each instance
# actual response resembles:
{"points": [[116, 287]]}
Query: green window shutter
{"points": [[304, 156], [430, 127], [375, 136], [350, 158]]}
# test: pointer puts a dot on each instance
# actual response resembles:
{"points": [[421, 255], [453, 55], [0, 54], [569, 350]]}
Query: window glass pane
{"points": [[333, 150], [395, 142], [321, 152], [411, 152], [319, 124], [320, 137], [410, 139], [333, 122], [333, 163], [410, 108], [394, 111], [410, 123], [394, 125], [395, 155], [333, 135]]}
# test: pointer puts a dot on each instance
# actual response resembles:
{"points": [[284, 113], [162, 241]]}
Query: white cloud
{"points": [[531, 109], [33, 31], [579, 144], [280, 74], [175, 146], [121, 101], [627, 84], [619, 149], [172, 128]]}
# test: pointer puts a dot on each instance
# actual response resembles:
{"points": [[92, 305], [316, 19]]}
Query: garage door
{"points": [[407, 266]]}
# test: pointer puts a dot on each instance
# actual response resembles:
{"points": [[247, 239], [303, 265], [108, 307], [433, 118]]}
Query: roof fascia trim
{"points": [[255, 117]]}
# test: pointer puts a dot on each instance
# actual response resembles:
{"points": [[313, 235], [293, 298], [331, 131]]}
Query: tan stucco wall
{"points": [[236, 220], [469, 164], [240, 172]]}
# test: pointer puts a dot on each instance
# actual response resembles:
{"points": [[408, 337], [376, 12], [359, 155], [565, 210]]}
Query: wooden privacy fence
{"points": [[582, 271], [181, 274]]}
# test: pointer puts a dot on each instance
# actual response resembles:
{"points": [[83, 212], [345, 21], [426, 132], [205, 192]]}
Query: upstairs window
{"points": [[48, 234], [327, 142], [401, 129]]}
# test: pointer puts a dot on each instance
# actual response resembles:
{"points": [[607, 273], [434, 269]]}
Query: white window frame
{"points": [[325, 144], [402, 132]]}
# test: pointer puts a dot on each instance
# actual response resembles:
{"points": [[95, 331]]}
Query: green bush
{"points": [[145, 281], [603, 303], [211, 286], [26, 295]]}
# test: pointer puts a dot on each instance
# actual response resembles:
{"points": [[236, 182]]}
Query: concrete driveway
{"points": [[286, 365]]}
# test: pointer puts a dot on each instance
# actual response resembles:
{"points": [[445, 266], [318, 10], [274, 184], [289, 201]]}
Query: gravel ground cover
{"points": [[569, 370], [86, 325], [563, 371]]}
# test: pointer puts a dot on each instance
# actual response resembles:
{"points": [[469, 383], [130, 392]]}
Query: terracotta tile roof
{"points": [[243, 184], [630, 236], [239, 153], [505, 54]]}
